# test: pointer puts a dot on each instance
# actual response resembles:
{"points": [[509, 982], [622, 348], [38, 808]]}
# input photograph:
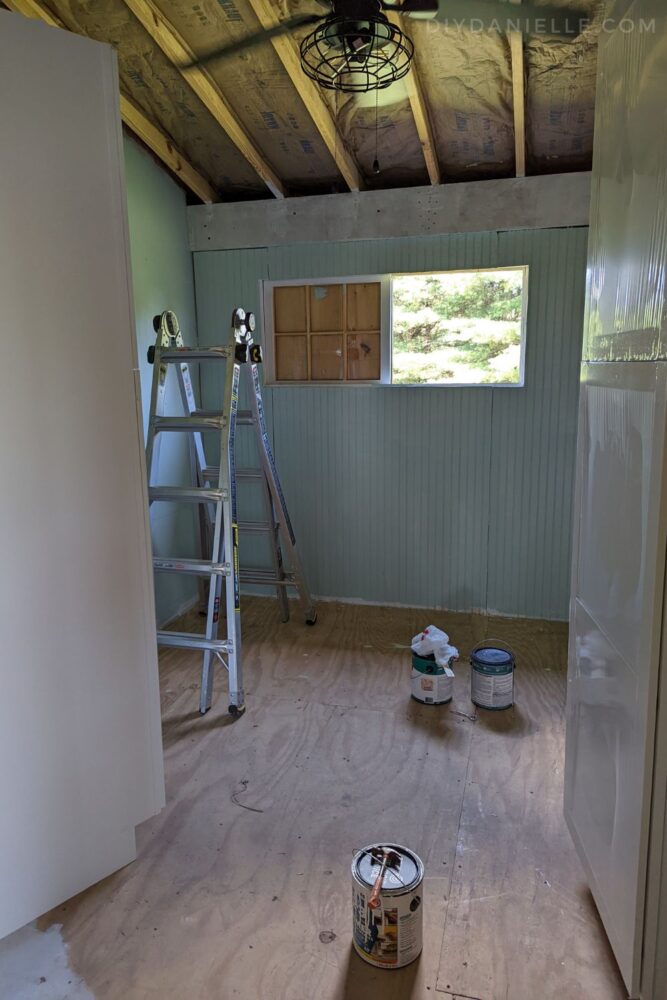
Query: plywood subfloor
{"points": [[242, 890]]}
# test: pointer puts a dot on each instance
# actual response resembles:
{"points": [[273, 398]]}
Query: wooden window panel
{"points": [[326, 308], [326, 356], [289, 309], [363, 306], [363, 356], [291, 358]]}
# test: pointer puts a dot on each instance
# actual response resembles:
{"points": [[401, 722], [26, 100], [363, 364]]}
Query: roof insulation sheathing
{"points": [[148, 77]]}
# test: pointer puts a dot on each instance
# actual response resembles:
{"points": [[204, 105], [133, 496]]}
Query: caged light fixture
{"points": [[356, 49]]}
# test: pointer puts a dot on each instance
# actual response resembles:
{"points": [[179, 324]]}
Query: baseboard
{"points": [[183, 610], [326, 599]]}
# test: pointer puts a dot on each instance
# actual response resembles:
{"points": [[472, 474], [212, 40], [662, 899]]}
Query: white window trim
{"points": [[386, 339]]}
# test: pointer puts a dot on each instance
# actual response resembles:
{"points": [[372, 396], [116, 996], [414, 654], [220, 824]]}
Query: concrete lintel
{"points": [[545, 202]]}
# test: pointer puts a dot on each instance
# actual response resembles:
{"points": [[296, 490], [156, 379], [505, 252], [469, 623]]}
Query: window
{"points": [[325, 331], [445, 328], [458, 327]]}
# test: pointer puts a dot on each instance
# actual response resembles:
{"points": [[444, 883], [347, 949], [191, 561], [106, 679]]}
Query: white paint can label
{"points": [[433, 689], [492, 676], [492, 690], [389, 936]]}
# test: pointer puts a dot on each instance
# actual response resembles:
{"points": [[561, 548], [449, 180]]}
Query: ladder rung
{"points": [[266, 576], [195, 423], [242, 416], [185, 494], [200, 567], [185, 354], [257, 526], [191, 640], [212, 472]]}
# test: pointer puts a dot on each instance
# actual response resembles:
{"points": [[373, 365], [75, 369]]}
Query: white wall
{"points": [[614, 779], [80, 745], [162, 278]]}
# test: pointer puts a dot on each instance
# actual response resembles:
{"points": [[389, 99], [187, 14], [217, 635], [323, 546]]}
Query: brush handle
{"points": [[374, 901]]}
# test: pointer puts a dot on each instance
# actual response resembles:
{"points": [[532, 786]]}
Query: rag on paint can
{"points": [[432, 677]]}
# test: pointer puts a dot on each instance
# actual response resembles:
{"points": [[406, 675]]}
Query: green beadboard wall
{"points": [[455, 498], [162, 278]]}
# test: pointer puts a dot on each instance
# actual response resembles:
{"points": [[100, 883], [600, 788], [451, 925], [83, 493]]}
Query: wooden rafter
{"points": [[134, 117], [203, 85], [287, 51], [519, 98], [420, 113], [163, 147]]}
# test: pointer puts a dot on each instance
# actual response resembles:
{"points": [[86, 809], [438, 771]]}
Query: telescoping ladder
{"points": [[214, 491]]}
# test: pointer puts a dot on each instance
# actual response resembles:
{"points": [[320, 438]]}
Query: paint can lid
{"points": [[403, 872], [490, 657]]}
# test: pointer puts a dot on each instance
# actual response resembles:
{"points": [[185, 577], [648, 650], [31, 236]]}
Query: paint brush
{"points": [[387, 859]]}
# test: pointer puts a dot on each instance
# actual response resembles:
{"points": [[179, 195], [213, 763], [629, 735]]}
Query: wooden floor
{"points": [[242, 886]]}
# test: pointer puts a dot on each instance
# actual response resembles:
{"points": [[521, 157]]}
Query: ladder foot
{"points": [[312, 619], [236, 711]]}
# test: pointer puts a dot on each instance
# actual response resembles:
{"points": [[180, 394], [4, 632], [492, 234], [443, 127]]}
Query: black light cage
{"points": [[356, 57]]}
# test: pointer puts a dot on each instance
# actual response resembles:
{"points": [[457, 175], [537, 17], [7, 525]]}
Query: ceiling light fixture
{"points": [[356, 50]]}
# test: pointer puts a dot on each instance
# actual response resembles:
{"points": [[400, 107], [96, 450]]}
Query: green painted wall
{"points": [[456, 498], [163, 279]]}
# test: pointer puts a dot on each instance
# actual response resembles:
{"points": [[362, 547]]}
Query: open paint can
{"points": [[387, 891]]}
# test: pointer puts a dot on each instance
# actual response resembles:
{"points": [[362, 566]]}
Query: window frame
{"points": [[386, 329]]}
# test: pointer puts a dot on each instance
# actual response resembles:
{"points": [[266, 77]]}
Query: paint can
{"points": [[387, 905], [492, 676], [430, 683]]}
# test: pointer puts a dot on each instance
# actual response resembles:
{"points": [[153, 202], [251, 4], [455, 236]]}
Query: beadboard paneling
{"points": [[442, 497]]}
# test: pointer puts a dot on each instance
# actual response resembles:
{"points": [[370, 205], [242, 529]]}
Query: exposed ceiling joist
{"points": [[34, 10], [134, 117], [163, 147], [420, 113], [287, 51], [203, 85], [518, 98]]}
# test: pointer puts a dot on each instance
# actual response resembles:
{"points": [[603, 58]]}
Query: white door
{"points": [[80, 746], [616, 615]]}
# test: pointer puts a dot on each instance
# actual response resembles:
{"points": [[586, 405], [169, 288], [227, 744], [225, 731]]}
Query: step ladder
{"points": [[214, 490]]}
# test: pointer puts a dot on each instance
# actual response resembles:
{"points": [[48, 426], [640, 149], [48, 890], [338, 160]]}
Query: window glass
{"points": [[463, 327]]}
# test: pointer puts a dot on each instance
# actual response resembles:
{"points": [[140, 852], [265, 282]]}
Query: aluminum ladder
{"points": [[214, 490]]}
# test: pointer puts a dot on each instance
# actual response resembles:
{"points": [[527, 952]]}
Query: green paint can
{"points": [[430, 683]]}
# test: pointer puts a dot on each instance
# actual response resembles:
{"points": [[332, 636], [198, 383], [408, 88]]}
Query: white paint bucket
{"points": [[390, 935], [492, 676], [429, 682]]}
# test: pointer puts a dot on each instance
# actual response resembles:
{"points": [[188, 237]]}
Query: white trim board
{"points": [[550, 201]]}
